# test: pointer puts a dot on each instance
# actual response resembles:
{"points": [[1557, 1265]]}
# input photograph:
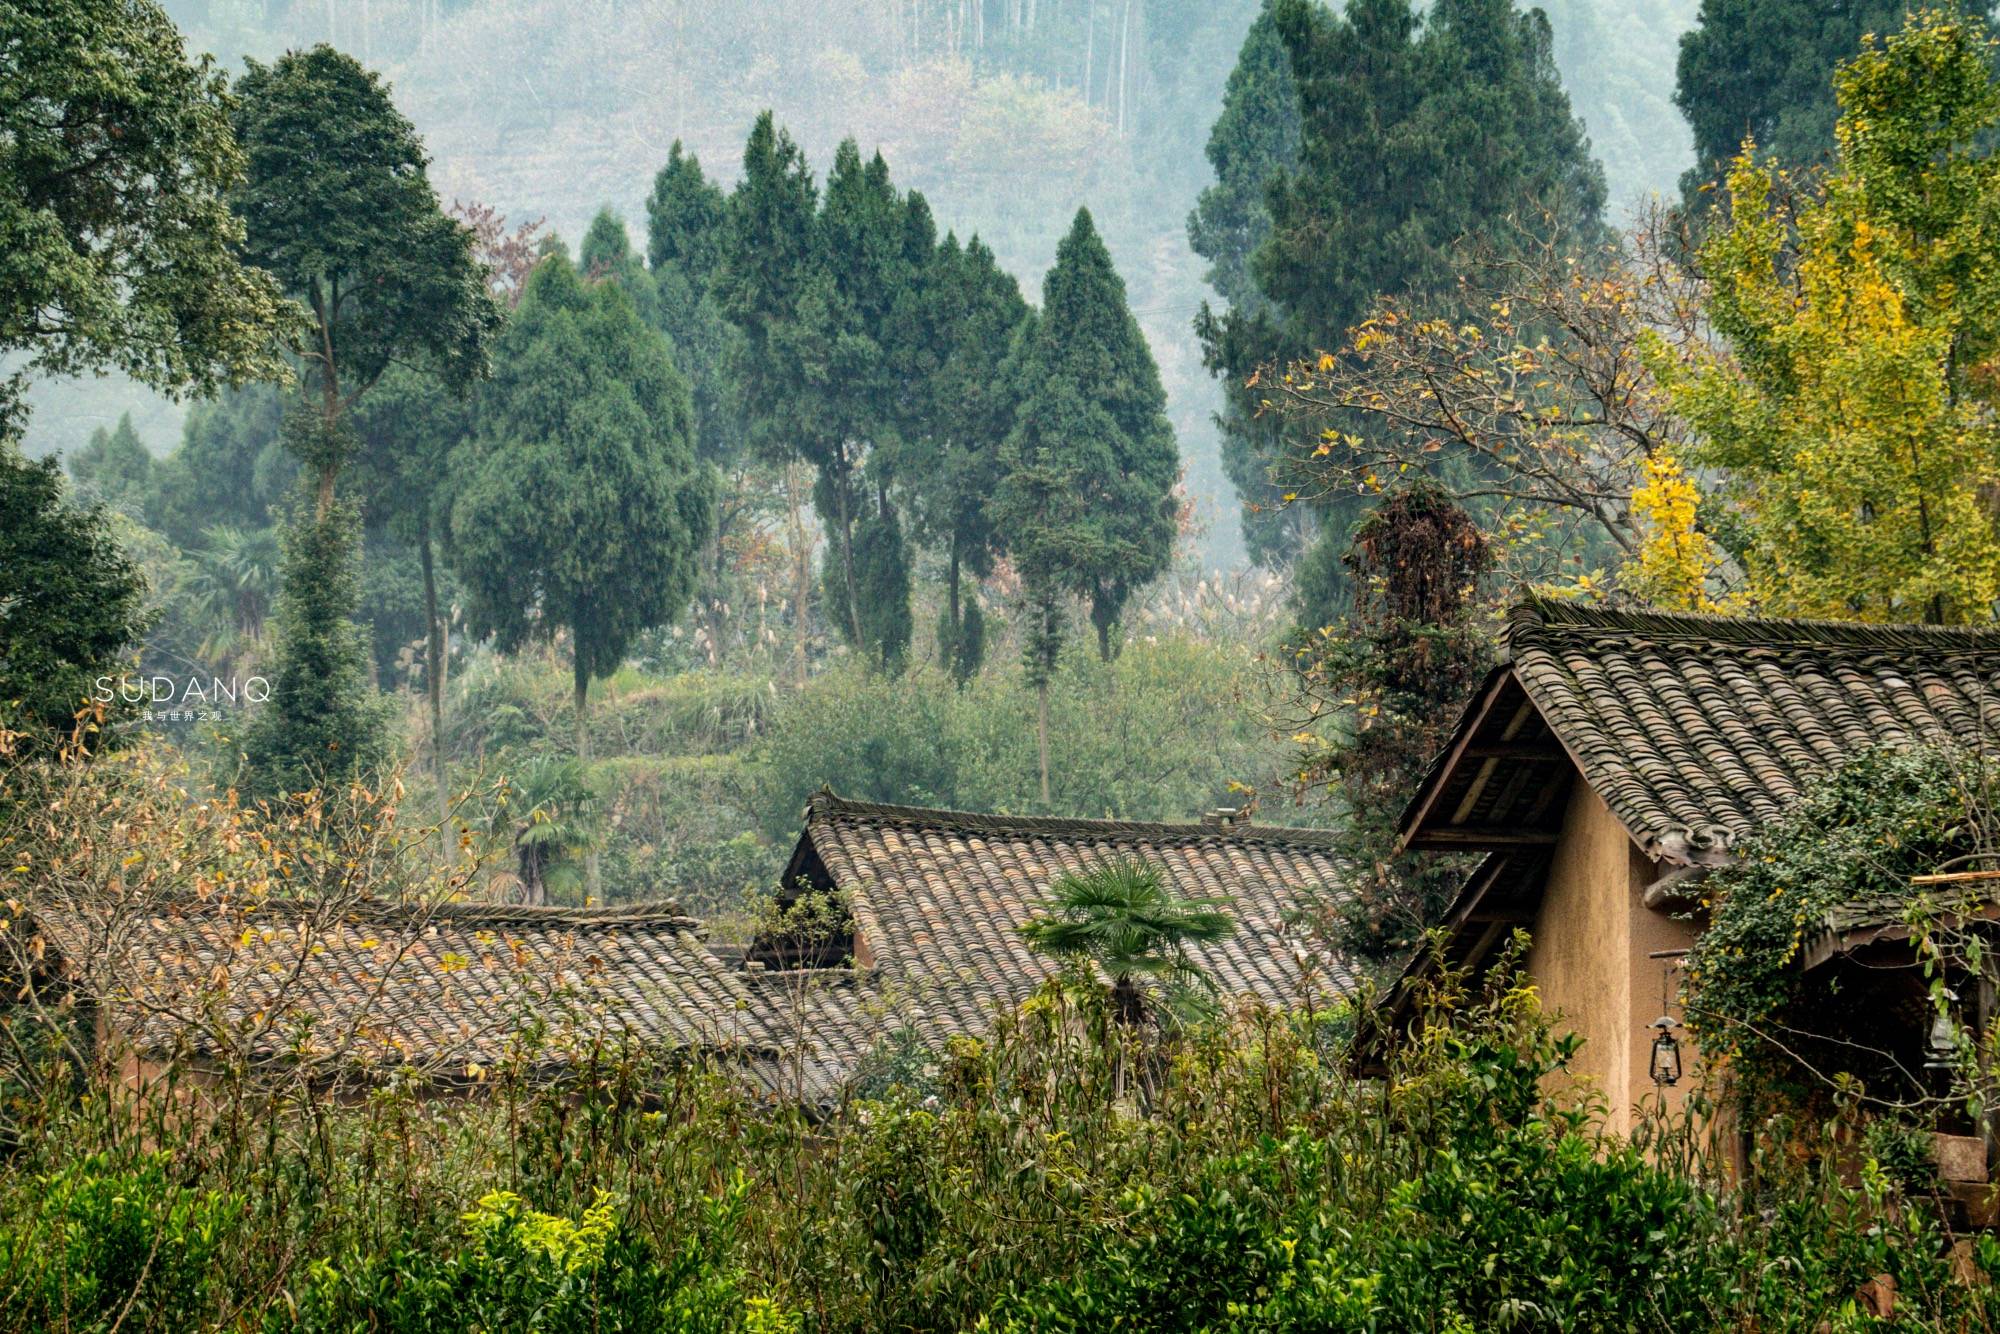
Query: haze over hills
{"points": [[1006, 114]]}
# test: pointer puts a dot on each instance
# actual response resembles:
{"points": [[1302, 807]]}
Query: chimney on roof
{"points": [[1224, 817]]}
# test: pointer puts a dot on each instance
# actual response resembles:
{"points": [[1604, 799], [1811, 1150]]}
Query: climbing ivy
{"points": [[1858, 835]]}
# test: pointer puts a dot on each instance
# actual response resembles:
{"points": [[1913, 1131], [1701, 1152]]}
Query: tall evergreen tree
{"points": [[336, 203], [1254, 141], [114, 466], [1418, 136], [70, 602], [579, 505], [1087, 500], [687, 232], [1763, 70], [686, 221], [606, 253], [850, 313], [771, 286], [973, 310]]}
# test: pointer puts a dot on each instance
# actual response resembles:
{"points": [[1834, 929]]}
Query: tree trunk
{"points": [[801, 569], [1089, 47], [1042, 733], [952, 617], [1124, 57], [434, 689], [533, 888], [847, 555], [329, 390], [582, 685], [712, 612]]}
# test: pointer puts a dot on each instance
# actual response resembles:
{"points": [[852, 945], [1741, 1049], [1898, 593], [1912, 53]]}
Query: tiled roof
{"points": [[441, 988], [1694, 729], [937, 896]]}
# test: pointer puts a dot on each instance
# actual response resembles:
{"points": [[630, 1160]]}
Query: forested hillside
{"points": [[1007, 114]]}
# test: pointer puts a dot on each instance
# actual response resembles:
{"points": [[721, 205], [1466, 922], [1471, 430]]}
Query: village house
{"points": [[344, 995], [1613, 758], [912, 934], [925, 908]]}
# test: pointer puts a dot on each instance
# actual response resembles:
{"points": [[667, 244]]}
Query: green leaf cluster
{"points": [[579, 505], [70, 601], [1420, 135], [1087, 500], [118, 250], [1855, 838]]}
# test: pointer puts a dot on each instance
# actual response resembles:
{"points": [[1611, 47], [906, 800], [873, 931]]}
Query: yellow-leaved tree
{"points": [[1852, 408]]}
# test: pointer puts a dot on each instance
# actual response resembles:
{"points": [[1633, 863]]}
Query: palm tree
{"points": [[552, 811], [1126, 919], [235, 583]]}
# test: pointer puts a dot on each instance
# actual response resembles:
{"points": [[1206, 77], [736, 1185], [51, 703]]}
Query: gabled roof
{"points": [[936, 898], [1693, 729], [442, 988]]}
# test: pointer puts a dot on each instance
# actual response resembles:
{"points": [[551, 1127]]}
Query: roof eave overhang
{"points": [[1430, 824]]}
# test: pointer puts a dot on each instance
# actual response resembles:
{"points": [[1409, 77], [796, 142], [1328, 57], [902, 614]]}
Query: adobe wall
{"points": [[1592, 939]]}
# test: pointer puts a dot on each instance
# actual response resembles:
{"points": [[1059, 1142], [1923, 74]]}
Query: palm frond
{"points": [[1125, 916]]}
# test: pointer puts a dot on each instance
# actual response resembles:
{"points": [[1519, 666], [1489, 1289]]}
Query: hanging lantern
{"points": [[1943, 1044], [1666, 1053]]}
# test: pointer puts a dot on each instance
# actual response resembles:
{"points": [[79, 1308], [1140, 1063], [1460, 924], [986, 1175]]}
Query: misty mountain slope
{"points": [[1007, 114]]}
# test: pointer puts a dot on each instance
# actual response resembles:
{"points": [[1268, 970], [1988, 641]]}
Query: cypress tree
{"points": [[1087, 500], [1416, 138], [686, 218], [776, 293], [579, 504], [865, 260], [606, 255], [113, 466], [882, 573], [1763, 70], [1255, 139], [949, 476]]}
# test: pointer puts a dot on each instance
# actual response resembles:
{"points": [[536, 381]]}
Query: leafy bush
{"points": [[517, 1268], [107, 1245], [1856, 837], [1158, 733]]}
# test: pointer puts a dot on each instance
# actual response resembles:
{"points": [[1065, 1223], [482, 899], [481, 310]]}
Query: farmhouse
{"points": [[1613, 757], [900, 921], [925, 904], [342, 994]]}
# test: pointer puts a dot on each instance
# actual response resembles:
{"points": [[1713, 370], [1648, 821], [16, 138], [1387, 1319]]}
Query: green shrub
{"points": [[517, 1268], [1159, 733], [115, 1246]]}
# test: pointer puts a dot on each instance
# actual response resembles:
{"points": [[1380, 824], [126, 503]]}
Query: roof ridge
{"points": [[826, 803], [1537, 615], [658, 913]]}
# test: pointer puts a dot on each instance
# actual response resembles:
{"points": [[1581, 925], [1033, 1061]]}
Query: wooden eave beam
{"points": [[1476, 837], [1409, 835]]}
